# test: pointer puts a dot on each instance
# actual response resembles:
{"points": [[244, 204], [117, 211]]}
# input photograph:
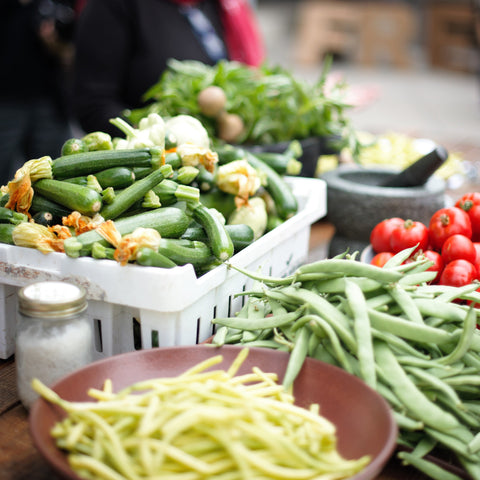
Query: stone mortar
{"points": [[356, 202]]}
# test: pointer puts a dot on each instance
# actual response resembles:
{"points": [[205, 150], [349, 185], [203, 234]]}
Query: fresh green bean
{"points": [[453, 442], [297, 357], [324, 309], [429, 468], [379, 301], [220, 336], [474, 444], [352, 268], [405, 422], [320, 327], [361, 327], [406, 303], [251, 324], [435, 383], [337, 285], [417, 278], [453, 293], [414, 400], [445, 310], [463, 345], [408, 330], [399, 258], [424, 446]]}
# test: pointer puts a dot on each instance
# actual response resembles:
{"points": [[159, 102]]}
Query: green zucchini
{"points": [[173, 159], [170, 222], [170, 140], [229, 153], [281, 163], [100, 251], [285, 163], [141, 172], [87, 181], [127, 197], [170, 192], [151, 258], [44, 218], [91, 162], [73, 146], [81, 198], [241, 235], [283, 197], [116, 177], [6, 231], [221, 201], [182, 251], [42, 204], [219, 239], [11, 216], [98, 141], [205, 180]]}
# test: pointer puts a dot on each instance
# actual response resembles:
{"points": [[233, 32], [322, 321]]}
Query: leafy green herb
{"points": [[274, 105]]}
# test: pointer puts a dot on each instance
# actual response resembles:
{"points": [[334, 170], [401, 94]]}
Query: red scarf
{"points": [[242, 37]]}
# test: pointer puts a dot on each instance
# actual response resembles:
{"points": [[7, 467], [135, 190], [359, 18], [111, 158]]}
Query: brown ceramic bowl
{"points": [[363, 419]]}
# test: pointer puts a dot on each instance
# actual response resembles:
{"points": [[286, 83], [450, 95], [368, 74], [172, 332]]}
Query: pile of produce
{"points": [[200, 424], [451, 241], [241, 105], [414, 342], [399, 150], [157, 196]]}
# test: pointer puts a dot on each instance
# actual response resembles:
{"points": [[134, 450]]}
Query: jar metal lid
{"points": [[51, 299]]}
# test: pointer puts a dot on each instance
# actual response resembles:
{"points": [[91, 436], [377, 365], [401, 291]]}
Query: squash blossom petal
{"points": [[20, 189], [130, 244], [193, 155], [239, 178], [34, 235]]}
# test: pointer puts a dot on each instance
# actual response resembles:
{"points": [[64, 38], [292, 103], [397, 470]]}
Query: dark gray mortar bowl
{"points": [[356, 203]]}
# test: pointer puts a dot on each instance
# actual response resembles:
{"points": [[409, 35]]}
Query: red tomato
{"points": [[458, 273], [474, 215], [380, 235], [446, 222], [438, 264], [477, 249], [409, 234], [380, 259], [470, 203], [470, 198], [458, 246]]}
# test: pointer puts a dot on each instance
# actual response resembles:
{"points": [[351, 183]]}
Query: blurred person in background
{"points": [[36, 52], [122, 48]]}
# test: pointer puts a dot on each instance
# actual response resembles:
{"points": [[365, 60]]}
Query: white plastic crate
{"points": [[163, 307]]}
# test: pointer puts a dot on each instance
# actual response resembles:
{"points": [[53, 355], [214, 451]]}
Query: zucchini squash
{"points": [[91, 162], [241, 235], [6, 231], [182, 251], [127, 197], [170, 222], [115, 177], [283, 197], [81, 198], [218, 237]]}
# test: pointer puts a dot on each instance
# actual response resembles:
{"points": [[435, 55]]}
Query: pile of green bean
{"points": [[415, 343]]}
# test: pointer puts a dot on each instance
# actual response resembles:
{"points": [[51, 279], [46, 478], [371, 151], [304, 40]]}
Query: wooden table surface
{"points": [[19, 459]]}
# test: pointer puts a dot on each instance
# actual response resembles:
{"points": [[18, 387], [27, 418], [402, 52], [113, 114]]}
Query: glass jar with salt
{"points": [[54, 335]]}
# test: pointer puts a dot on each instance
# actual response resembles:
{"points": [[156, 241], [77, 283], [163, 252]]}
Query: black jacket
{"points": [[122, 47], [28, 69]]}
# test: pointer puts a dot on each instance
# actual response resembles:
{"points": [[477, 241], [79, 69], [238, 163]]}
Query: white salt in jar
{"points": [[54, 336]]}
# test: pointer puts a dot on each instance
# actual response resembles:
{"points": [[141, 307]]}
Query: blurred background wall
{"points": [[413, 65]]}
